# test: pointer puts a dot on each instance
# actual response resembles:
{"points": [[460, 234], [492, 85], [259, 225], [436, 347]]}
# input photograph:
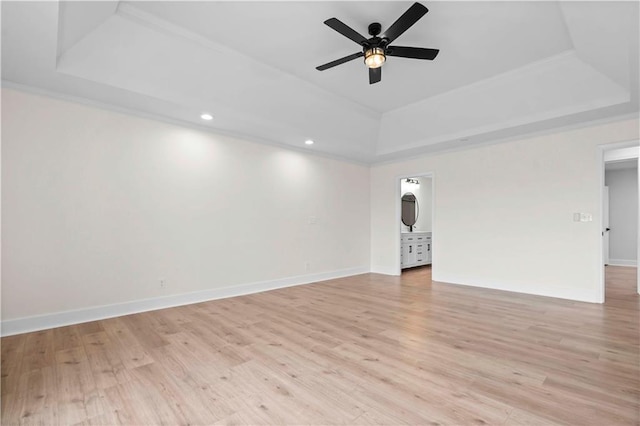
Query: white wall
{"points": [[423, 196], [98, 206], [503, 214], [623, 215]]}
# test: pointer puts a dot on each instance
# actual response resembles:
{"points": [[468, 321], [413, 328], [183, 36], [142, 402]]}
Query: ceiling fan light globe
{"points": [[374, 57]]}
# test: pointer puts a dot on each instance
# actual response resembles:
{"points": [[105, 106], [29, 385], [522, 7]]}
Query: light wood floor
{"points": [[369, 349]]}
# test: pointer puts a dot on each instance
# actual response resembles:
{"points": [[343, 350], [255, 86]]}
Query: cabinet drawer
{"points": [[414, 237]]}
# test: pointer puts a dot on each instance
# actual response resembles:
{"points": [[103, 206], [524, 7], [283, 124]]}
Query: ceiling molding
{"points": [[547, 115], [452, 146], [447, 148], [172, 121]]}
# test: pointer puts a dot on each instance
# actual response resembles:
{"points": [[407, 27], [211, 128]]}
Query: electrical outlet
{"points": [[307, 266], [313, 220], [163, 283]]}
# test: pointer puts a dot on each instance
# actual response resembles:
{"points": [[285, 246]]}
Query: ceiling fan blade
{"points": [[410, 17], [412, 52], [346, 30], [340, 61], [375, 75]]}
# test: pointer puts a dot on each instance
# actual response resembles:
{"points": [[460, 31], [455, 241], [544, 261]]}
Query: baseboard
{"points": [[580, 295], [60, 319], [622, 262], [385, 270]]}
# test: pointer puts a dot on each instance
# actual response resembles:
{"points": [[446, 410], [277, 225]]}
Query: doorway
{"points": [[620, 219], [415, 222]]}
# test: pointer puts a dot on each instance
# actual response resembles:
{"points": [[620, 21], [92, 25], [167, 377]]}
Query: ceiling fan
{"points": [[376, 49]]}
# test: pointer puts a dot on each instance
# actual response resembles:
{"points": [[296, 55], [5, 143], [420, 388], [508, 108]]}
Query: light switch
{"points": [[582, 217], [586, 217]]}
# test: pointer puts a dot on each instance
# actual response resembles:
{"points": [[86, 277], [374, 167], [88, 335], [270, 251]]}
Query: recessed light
{"points": [[308, 142], [206, 116]]}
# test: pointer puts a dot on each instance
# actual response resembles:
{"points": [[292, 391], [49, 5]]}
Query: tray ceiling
{"points": [[504, 69]]}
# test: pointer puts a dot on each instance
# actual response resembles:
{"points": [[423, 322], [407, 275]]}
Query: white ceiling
{"points": [[504, 68], [290, 38], [621, 164]]}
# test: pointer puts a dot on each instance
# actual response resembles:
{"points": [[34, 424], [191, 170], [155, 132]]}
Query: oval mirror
{"points": [[409, 210]]}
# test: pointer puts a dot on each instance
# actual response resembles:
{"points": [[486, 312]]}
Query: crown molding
{"points": [[173, 121]]}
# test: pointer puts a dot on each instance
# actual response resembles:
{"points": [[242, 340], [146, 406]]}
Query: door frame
{"points": [[625, 150], [605, 225], [398, 191]]}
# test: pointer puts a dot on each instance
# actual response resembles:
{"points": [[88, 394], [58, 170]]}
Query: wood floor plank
{"points": [[36, 400], [365, 350], [12, 355], [39, 351]]}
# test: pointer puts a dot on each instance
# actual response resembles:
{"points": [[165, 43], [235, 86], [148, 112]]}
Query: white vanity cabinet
{"points": [[415, 249]]}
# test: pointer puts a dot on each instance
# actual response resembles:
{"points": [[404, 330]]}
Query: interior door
{"points": [[605, 225]]}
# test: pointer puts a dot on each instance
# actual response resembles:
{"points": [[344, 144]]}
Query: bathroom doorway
{"points": [[415, 221]]}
